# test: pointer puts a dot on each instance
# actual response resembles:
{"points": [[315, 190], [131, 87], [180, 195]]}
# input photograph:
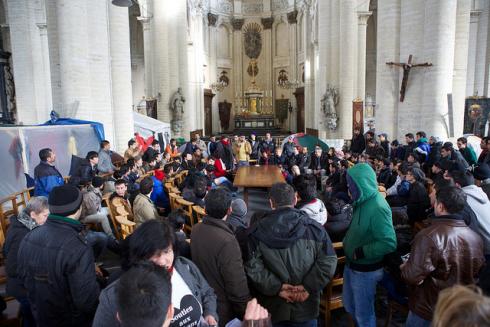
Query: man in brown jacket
{"points": [[143, 208], [446, 253], [216, 253]]}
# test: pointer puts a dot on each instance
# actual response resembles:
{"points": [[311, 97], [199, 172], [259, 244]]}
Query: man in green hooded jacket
{"points": [[369, 238]]}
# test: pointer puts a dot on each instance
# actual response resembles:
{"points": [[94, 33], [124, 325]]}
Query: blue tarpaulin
{"points": [[55, 120]]}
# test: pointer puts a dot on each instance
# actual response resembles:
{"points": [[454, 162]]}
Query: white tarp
{"points": [[147, 126], [20, 147]]}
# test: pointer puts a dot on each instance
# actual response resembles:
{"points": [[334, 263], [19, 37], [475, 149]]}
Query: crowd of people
{"points": [[413, 218]]}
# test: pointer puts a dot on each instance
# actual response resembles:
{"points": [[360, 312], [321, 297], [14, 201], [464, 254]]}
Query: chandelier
{"points": [[223, 81]]}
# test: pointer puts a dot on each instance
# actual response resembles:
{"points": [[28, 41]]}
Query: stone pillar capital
{"points": [[363, 17], [267, 22], [212, 19], [237, 23]]}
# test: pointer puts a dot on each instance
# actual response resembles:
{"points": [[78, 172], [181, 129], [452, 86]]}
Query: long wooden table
{"points": [[257, 176]]}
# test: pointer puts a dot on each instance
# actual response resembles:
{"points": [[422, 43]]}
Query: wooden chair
{"points": [[332, 295], [187, 210], [112, 216], [173, 200], [199, 213], [22, 197], [8, 208], [127, 226]]}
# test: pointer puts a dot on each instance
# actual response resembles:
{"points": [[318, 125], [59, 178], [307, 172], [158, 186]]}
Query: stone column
{"points": [[348, 31], [30, 60], [148, 55], [481, 66], [387, 79], [213, 66], [363, 17], [237, 62], [472, 51], [195, 103], [267, 52], [460, 64], [439, 46], [121, 77], [73, 40], [293, 57]]}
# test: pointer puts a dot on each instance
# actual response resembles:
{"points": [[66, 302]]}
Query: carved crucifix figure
{"points": [[406, 70]]}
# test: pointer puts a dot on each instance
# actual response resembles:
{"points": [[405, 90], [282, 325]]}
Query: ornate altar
{"points": [[477, 116]]}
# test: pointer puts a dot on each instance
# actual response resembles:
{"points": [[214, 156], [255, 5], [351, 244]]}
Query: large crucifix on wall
{"points": [[406, 70]]}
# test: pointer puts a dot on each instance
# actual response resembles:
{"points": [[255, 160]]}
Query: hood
{"points": [[476, 193], [362, 180], [422, 140], [282, 228]]}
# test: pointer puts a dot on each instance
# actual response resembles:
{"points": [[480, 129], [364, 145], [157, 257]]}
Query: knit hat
{"points": [[238, 208], [482, 172], [64, 199], [97, 181]]}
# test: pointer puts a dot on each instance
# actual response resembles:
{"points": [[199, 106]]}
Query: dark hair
{"points": [[172, 140], [409, 135], [282, 194], [421, 134], [414, 155], [448, 146], [217, 202], [91, 155], [176, 219], [305, 185], [144, 295], [120, 182], [155, 142], [131, 142], [148, 239], [167, 169], [463, 178], [200, 186], [201, 166], [371, 133], [131, 163], [146, 185], [463, 140], [154, 157], [45, 153], [123, 170], [104, 143], [403, 168], [441, 183], [452, 198], [395, 143]]}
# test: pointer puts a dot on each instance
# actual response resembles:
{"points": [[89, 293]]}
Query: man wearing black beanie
{"points": [[56, 264]]}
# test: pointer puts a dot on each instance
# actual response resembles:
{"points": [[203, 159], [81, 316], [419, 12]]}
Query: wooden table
{"points": [[257, 176]]}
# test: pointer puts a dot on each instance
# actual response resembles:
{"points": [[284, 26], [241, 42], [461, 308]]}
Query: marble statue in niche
{"points": [[177, 108], [329, 102]]}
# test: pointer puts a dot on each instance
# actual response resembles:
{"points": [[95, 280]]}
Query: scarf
{"points": [[26, 220]]}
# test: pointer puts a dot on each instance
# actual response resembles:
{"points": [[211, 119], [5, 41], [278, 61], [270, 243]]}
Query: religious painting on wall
{"points": [[477, 116], [224, 109], [282, 109], [357, 116]]}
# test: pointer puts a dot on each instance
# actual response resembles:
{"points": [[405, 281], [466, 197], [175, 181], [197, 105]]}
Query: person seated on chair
{"points": [[198, 192], [92, 210], [154, 241], [87, 170], [121, 197], [143, 207], [172, 149], [32, 216], [187, 162]]}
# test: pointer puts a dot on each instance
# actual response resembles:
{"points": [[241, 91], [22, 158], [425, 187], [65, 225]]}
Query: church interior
{"points": [[251, 94]]}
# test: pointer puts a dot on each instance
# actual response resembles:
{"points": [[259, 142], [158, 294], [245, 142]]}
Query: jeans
{"points": [[101, 218], [243, 163], [416, 321], [359, 293], [98, 242], [309, 323]]}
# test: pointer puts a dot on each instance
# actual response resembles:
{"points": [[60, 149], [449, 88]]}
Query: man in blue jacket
{"points": [[46, 176]]}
